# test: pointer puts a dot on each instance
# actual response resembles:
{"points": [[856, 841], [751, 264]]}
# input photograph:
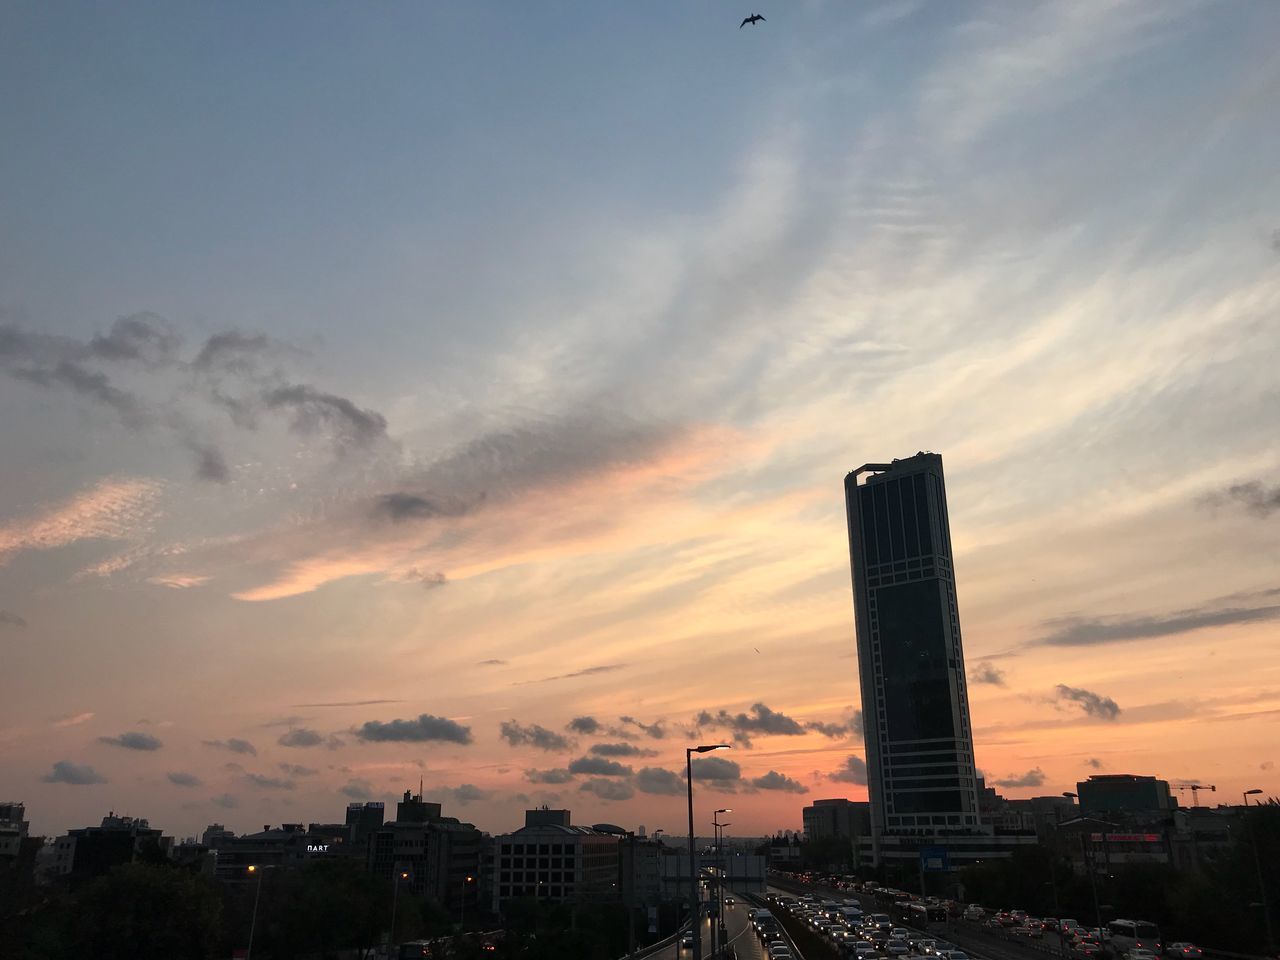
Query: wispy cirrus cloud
{"points": [[1078, 631], [113, 509]]}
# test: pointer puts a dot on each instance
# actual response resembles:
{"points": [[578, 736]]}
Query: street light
{"points": [[718, 924], [462, 909], [254, 871], [395, 898], [1257, 865], [695, 913]]}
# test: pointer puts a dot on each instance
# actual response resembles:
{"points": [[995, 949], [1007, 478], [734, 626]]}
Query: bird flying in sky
{"points": [[753, 19]]}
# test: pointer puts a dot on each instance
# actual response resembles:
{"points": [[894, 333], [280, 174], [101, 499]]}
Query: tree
{"points": [[146, 912]]}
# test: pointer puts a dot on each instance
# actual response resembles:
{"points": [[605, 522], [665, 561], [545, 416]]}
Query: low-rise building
{"points": [[88, 852]]}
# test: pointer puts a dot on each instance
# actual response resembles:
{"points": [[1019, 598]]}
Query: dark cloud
{"points": [[621, 750], [10, 619], [210, 464], [586, 672], [343, 703], [773, 780], [492, 663], [296, 770], [584, 725], [658, 781], [555, 775], [987, 673], [1088, 631], [533, 735], [357, 789], [314, 411], [427, 578], [90, 384], [425, 728], [853, 771], [133, 741], [1095, 705], [179, 779], [609, 789], [1032, 778], [226, 801], [466, 793], [398, 507], [715, 768], [269, 783], [301, 737], [656, 730], [1094, 762], [762, 720], [839, 731], [76, 774], [599, 766], [234, 744], [1257, 497], [145, 337], [234, 352]]}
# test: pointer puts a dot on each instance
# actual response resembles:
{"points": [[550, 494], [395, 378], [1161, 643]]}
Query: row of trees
{"points": [[156, 911]]}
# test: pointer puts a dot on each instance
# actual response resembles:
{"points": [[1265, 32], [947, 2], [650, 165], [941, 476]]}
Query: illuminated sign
{"points": [[317, 848]]}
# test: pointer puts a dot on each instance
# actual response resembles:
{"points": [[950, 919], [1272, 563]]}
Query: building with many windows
{"points": [[429, 854], [550, 860], [919, 741]]}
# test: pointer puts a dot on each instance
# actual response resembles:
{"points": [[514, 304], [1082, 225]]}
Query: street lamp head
{"points": [[253, 868], [708, 747], [725, 810], [1070, 796], [469, 879], [404, 875], [1250, 793]]}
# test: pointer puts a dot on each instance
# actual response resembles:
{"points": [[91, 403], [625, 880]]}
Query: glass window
{"points": [[894, 515], [916, 677], [882, 523], [866, 509]]}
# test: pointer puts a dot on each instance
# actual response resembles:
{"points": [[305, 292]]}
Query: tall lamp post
{"points": [[695, 914], [462, 906], [398, 876], [1257, 865], [718, 923], [1089, 867], [254, 871]]}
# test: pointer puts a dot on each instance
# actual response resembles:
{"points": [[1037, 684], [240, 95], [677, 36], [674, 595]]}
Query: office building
{"points": [[13, 831], [362, 820], [920, 767], [836, 818], [1124, 793], [88, 852], [548, 859], [442, 856]]}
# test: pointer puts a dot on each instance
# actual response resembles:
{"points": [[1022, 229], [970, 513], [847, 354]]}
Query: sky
{"points": [[462, 393]]}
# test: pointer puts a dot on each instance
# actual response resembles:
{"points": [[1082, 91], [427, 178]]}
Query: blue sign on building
{"points": [[935, 860]]}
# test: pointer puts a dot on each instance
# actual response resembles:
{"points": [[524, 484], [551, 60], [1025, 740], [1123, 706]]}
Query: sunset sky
{"points": [[464, 392]]}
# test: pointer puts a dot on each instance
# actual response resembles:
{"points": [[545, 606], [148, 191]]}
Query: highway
{"points": [[970, 937], [740, 934]]}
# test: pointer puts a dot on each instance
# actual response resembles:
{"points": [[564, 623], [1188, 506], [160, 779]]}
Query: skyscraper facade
{"points": [[920, 766]]}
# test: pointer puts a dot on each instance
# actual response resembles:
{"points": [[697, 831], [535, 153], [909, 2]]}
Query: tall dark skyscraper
{"points": [[920, 767]]}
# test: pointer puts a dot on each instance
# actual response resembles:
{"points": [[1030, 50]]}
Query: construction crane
{"points": [[1195, 789]]}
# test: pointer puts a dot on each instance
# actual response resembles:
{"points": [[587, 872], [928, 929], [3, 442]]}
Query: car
{"points": [[779, 951], [897, 948], [686, 942], [1141, 953], [973, 912], [1183, 949], [729, 901]]}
